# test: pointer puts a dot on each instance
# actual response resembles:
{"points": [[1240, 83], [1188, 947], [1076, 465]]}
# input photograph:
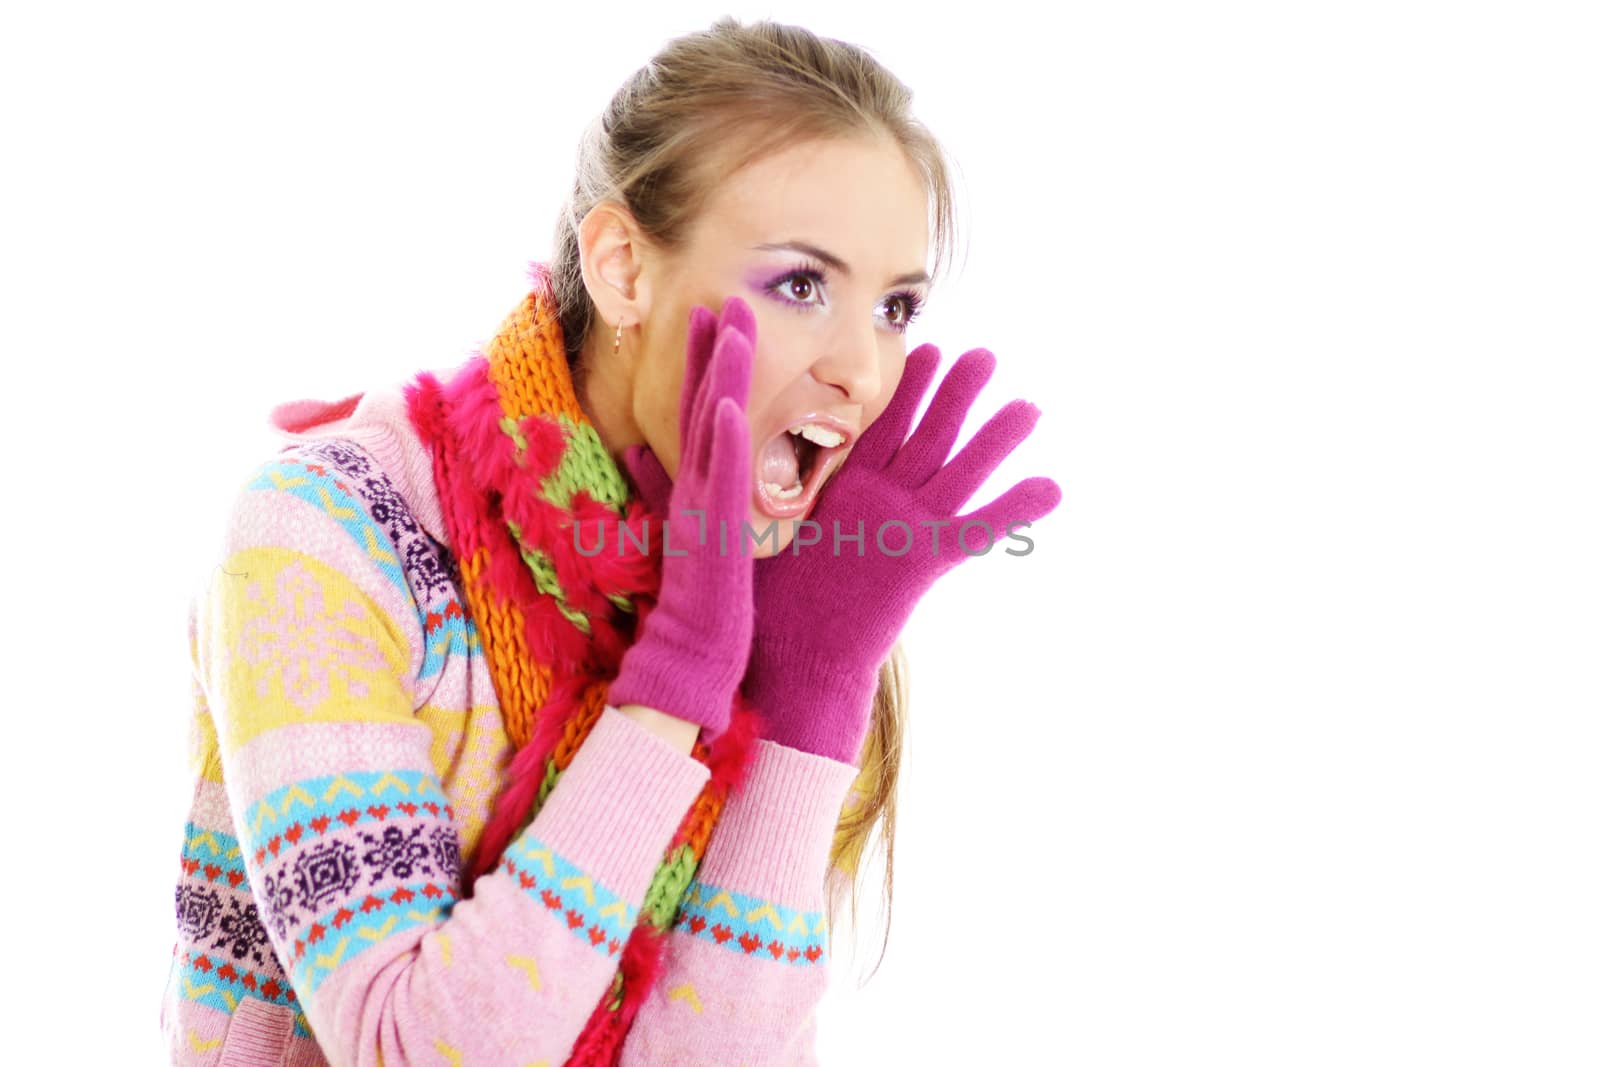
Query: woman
{"points": [[526, 699]]}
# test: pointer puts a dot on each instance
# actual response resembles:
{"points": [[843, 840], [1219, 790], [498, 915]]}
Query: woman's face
{"points": [[827, 243]]}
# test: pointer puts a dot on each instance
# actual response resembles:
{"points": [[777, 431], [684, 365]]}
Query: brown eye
{"points": [[910, 303], [797, 287]]}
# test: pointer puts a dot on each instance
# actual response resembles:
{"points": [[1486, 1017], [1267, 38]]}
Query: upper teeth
{"points": [[820, 435]]}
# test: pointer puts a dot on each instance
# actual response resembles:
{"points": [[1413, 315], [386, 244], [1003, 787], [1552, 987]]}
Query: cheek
{"points": [[781, 358], [894, 368], [767, 381]]}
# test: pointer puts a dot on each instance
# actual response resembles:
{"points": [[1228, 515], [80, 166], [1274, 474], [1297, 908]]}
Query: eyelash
{"points": [[818, 275]]}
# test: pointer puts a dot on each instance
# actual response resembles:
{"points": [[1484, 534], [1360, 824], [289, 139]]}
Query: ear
{"points": [[615, 258]]}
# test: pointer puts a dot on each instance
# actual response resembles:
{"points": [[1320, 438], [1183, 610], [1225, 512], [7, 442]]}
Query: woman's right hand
{"points": [[694, 643]]}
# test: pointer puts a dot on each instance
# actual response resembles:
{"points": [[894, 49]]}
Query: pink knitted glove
{"points": [[825, 623], [695, 641]]}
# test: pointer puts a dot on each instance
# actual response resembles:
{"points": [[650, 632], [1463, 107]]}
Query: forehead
{"points": [[860, 199]]}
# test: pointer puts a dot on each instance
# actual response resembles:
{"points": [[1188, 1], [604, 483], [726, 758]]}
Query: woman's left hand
{"points": [[825, 622]]}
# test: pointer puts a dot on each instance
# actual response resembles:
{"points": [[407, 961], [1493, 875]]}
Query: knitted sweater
{"points": [[347, 745]]}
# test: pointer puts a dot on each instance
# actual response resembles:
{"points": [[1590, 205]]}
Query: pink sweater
{"points": [[347, 745]]}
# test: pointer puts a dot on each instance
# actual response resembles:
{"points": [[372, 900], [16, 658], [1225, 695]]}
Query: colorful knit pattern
{"points": [[326, 548], [229, 957], [752, 925], [517, 464], [594, 914], [369, 857]]}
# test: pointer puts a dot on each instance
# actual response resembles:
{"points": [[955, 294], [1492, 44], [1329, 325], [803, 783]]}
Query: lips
{"points": [[803, 455]]}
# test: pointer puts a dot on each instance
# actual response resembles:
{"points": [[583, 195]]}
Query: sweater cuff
{"points": [[776, 831], [619, 802]]}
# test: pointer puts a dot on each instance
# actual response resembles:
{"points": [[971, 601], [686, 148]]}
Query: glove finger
{"points": [[733, 325], [697, 358], [726, 377], [649, 477], [957, 480], [729, 474], [888, 431], [1026, 502], [731, 367], [737, 315], [925, 450]]}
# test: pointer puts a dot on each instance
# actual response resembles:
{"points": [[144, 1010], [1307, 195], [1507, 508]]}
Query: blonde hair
{"points": [[707, 104]]}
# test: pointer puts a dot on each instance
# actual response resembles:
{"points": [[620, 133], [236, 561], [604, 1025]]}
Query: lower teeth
{"points": [[784, 494]]}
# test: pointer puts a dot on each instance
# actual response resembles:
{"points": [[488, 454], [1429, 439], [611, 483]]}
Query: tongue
{"points": [[779, 463]]}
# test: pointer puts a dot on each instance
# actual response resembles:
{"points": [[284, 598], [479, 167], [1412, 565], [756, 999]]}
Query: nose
{"points": [[851, 364]]}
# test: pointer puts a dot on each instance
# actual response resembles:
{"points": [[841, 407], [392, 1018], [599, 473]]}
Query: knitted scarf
{"points": [[516, 463]]}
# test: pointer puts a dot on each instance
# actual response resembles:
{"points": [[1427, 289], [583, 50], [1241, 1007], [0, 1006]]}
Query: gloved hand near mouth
{"points": [[695, 642], [824, 623]]}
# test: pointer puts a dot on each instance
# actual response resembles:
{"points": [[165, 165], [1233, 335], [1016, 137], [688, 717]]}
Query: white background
{"points": [[1277, 750]]}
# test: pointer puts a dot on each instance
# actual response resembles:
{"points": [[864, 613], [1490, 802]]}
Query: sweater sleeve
{"points": [[307, 651], [747, 963]]}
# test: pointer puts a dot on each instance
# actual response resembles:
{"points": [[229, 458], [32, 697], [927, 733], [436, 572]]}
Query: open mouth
{"points": [[794, 464]]}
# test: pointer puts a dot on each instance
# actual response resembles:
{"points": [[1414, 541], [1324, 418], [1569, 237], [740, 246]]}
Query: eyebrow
{"points": [[914, 278]]}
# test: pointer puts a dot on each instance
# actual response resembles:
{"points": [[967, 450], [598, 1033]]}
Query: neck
{"points": [[604, 388]]}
